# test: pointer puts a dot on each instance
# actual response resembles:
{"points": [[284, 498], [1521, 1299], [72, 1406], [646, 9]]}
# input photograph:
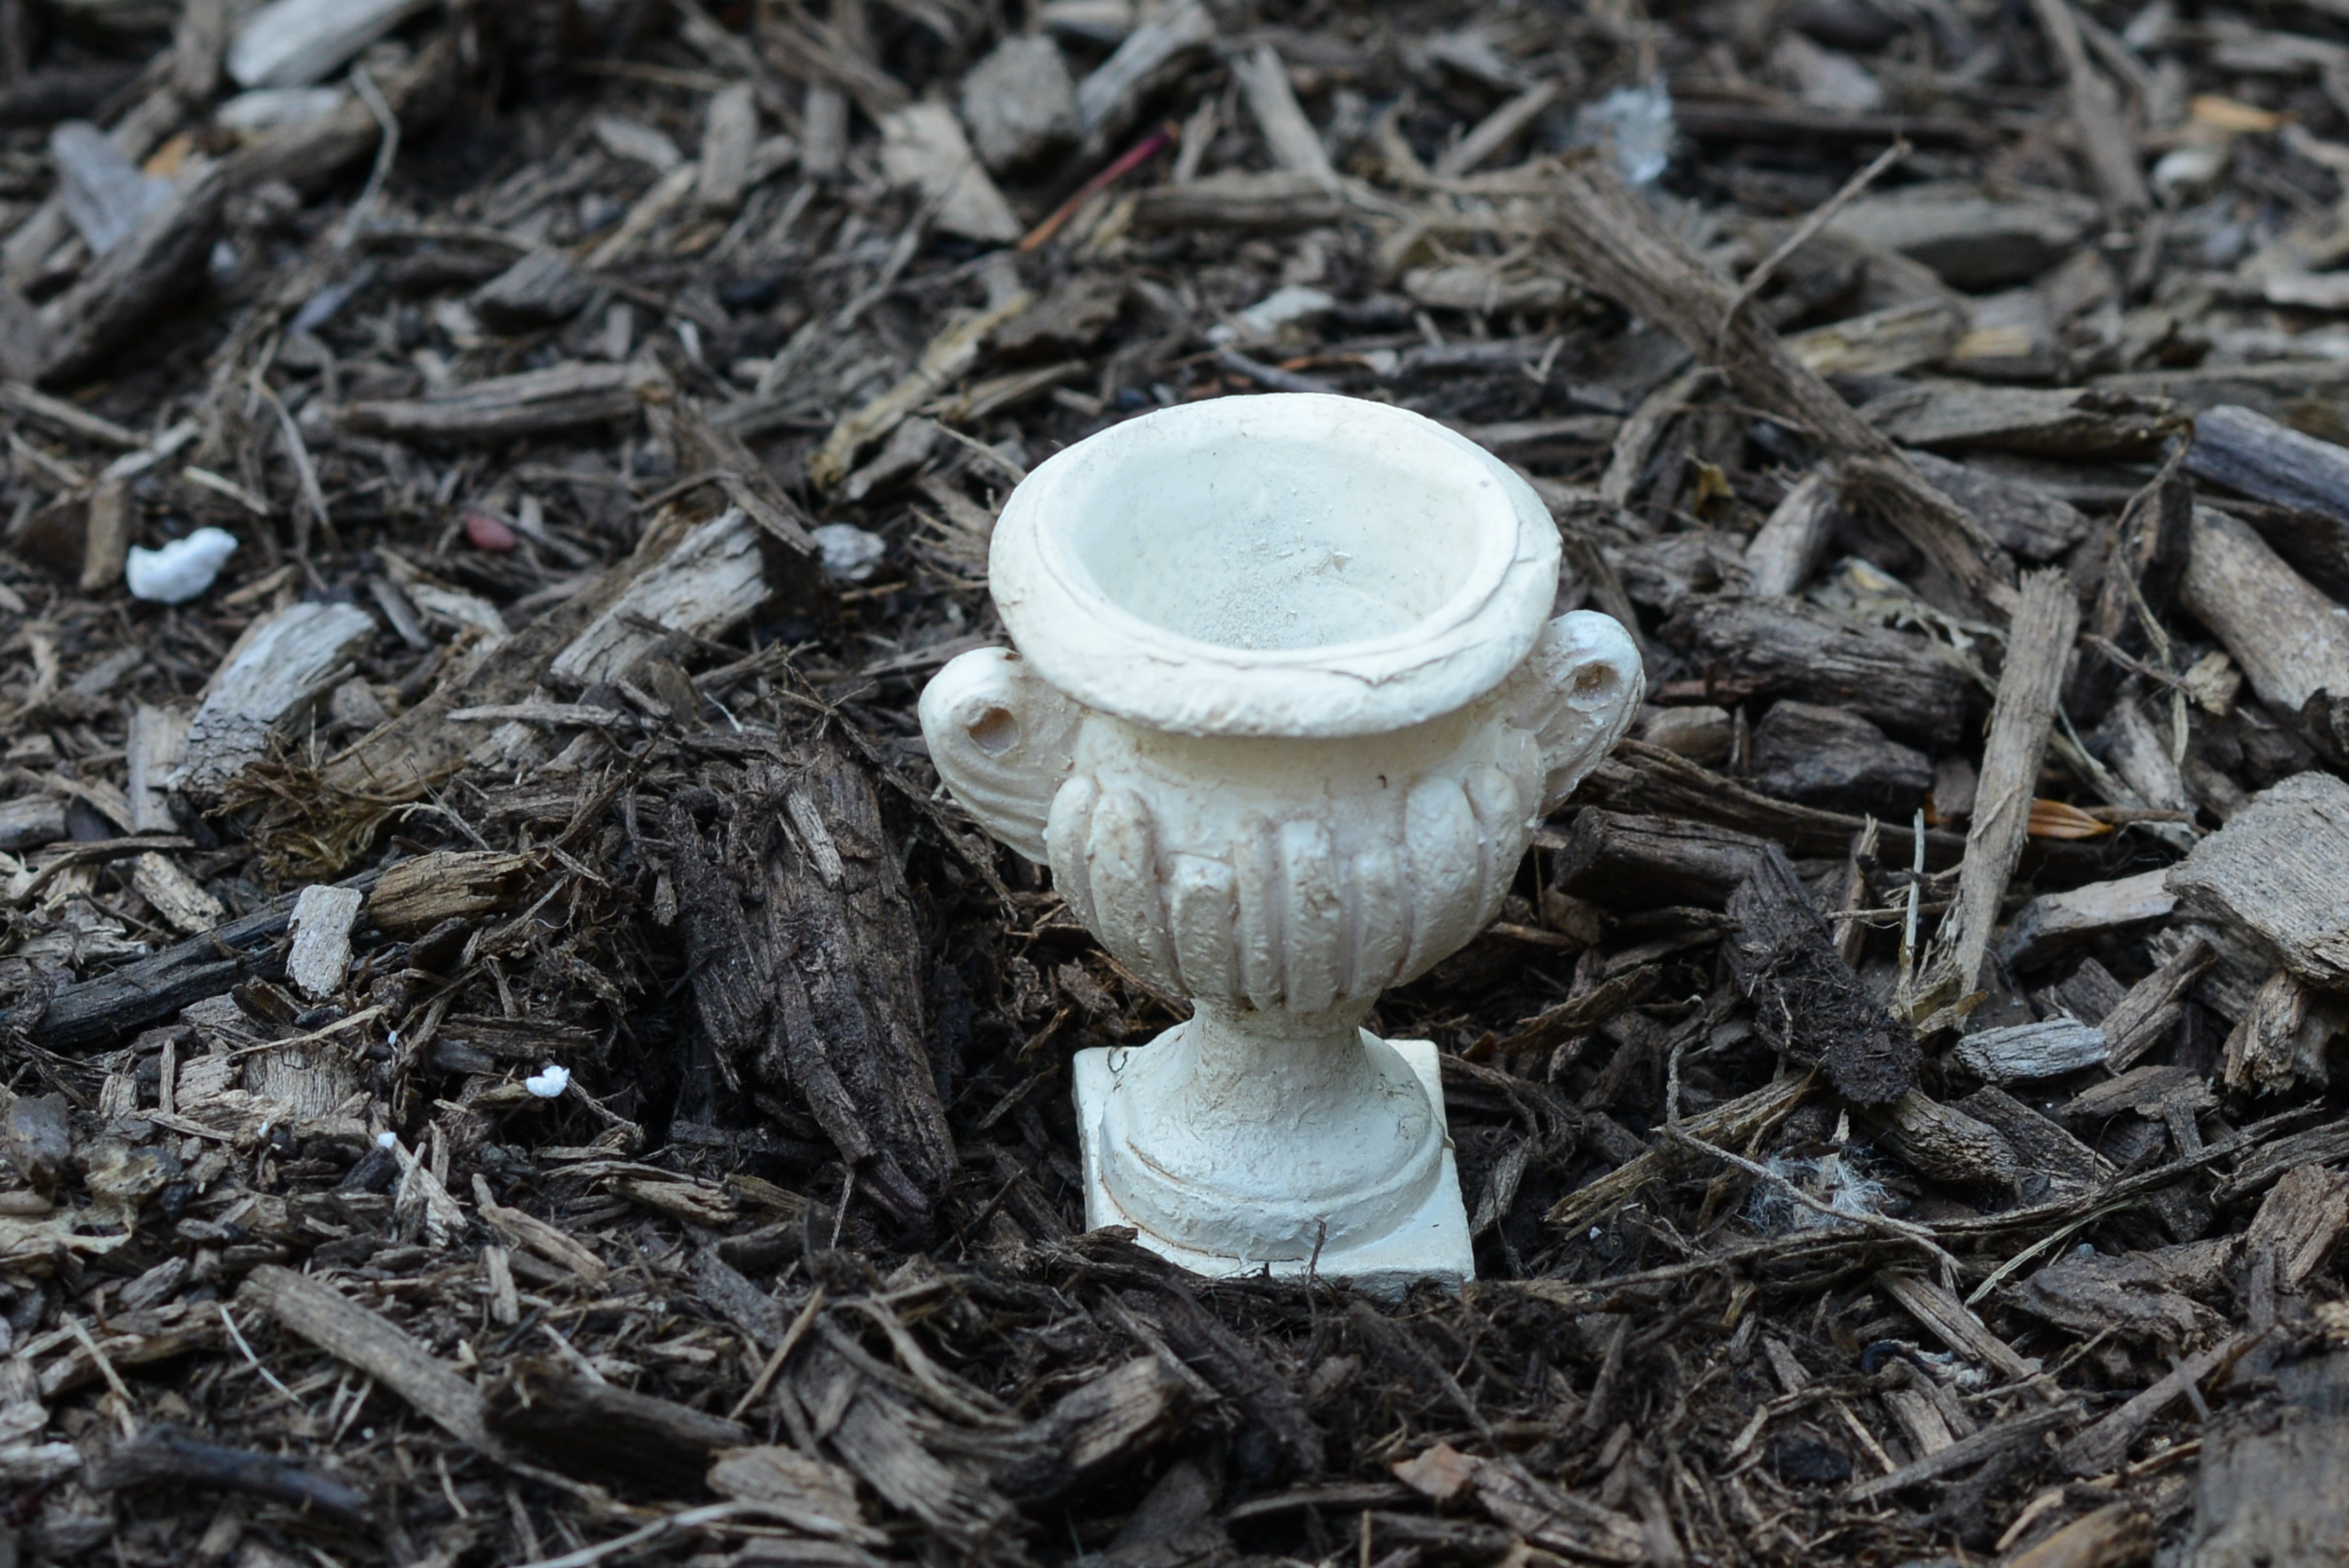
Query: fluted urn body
{"points": [[1285, 704]]}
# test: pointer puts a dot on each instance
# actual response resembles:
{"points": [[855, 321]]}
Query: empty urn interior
{"points": [[1268, 540]]}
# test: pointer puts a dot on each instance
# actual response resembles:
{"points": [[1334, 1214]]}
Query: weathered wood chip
{"points": [[1640, 777], [152, 988], [2282, 1037], [1808, 1004], [549, 1241], [2038, 651], [1113, 95], [1235, 200], [1111, 1423], [1543, 1514], [2054, 924], [1964, 416], [1733, 1124], [281, 666], [923, 146], [1576, 1015], [2280, 870], [182, 902], [321, 929], [1652, 861], [2052, 1157], [2301, 1221], [540, 289], [417, 895], [2104, 1446], [595, 1429], [532, 402], [2141, 1294], [30, 821], [1944, 1142], [1019, 101], [1827, 757], [2034, 526], [815, 991], [713, 580], [1974, 240], [162, 1457], [2326, 1145], [1784, 647], [2153, 1005], [875, 1435], [2023, 1052], [812, 1494], [2247, 451], [2275, 1487], [316, 1312], [2291, 639], [2013, 1432], [2108, 1537]]}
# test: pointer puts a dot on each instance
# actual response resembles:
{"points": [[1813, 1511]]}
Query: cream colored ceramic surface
{"points": [[1285, 708]]}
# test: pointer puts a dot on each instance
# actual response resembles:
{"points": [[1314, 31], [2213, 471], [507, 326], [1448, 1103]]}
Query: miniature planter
{"points": [[1285, 704]]}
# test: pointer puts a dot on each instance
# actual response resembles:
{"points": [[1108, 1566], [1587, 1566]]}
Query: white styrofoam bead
{"points": [[181, 569]]}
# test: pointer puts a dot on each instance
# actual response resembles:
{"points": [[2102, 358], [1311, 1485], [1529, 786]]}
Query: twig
{"points": [[2106, 144], [783, 1348], [93, 851], [1805, 233], [2130, 662], [164, 1457], [105, 1365], [1010, 469], [1884, 1223], [684, 1519], [2062, 1210], [1909, 926], [1132, 158], [2045, 622], [1609, 241], [901, 255], [340, 1026], [386, 149], [228, 1320], [2006, 1270], [1272, 376], [299, 451]]}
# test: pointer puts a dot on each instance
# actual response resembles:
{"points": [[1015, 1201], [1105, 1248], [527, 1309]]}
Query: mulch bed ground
{"points": [[511, 1057]]}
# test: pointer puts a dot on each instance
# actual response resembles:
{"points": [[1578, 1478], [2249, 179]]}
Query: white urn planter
{"points": [[1285, 704]]}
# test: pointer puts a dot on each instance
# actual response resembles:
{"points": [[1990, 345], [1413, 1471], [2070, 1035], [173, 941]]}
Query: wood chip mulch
{"points": [[510, 1057]]}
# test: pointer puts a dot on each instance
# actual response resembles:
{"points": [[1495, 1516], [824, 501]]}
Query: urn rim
{"points": [[1492, 553]]}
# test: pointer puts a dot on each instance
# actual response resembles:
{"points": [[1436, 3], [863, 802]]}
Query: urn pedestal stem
{"points": [[1267, 1134], [1321, 1055]]}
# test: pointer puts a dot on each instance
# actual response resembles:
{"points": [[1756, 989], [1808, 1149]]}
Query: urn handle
{"points": [[1576, 693], [1004, 740]]}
